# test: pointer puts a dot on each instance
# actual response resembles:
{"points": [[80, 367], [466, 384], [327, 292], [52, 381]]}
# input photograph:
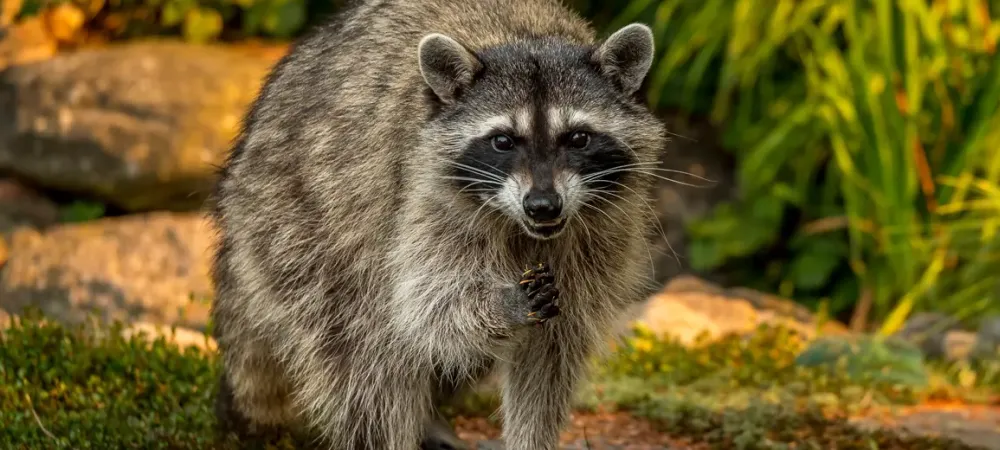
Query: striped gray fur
{"points": [[373, 227]]}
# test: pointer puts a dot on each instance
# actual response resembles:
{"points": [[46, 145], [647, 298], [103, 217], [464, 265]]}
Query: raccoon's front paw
{"points": [[538, 284]]}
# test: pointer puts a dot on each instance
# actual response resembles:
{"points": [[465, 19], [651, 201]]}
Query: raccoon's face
{"points": [[543, 131]]}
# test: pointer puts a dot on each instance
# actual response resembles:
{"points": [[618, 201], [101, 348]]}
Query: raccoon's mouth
{"points": [[547, 229]]}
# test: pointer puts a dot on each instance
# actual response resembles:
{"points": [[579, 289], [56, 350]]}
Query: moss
{"points": [[64, 387], [73, 387]]}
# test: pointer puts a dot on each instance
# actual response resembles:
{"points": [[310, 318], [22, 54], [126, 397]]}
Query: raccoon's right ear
{"points": [[446, 65]]}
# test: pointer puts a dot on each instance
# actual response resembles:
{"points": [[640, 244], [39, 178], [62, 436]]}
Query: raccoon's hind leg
{"points": [[252, 400], [439, 434]]}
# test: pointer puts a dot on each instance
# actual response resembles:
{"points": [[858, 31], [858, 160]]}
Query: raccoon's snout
{"points": [[542, 206]]}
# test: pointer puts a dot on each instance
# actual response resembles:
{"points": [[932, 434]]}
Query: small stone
{"points": [[928, 331], [988, 339], [958, 345], [183, 337]]}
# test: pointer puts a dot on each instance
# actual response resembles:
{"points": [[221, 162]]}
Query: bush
{"points": [[194, 20], [866, 135]]}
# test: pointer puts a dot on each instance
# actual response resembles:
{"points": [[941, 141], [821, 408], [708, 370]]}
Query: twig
{"points": [[39, 420], [859, 320]]}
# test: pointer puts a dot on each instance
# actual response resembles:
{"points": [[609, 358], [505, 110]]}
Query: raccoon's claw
{"points": [[538, 284], [535, 277]]}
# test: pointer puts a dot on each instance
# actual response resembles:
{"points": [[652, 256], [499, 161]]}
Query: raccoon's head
{"points": [[543, 130]]}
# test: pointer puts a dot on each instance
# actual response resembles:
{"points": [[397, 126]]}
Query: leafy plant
{"points": [[197, 21], [888, 360], [868, 130], [81, 211]]}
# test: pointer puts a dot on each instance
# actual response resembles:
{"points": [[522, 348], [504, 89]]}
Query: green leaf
{"points": [[705, 254], [254, 17], [81, 211], [174, 11], [202, 25], [868, 358], [812, 268], [284, 17]]}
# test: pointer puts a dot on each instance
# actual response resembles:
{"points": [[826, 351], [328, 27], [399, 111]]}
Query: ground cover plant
{"points": [[89, 387]]}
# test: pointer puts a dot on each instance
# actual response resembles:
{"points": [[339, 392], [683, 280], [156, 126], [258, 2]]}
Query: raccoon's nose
{"points": [[542, 206]]}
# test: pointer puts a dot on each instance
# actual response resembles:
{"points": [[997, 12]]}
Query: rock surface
{"points": [[21, 206], [939, 336], [141, 125], [689, 306], [987, 345], [977, 426], [142, 268], [183, 337]]}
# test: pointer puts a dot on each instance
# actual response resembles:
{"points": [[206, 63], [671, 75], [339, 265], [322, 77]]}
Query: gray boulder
{"points": [[141, 125], [151, 268]]}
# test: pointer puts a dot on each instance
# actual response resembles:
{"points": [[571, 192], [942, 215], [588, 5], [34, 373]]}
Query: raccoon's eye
{"points": [[502, 143], [579, 140]]}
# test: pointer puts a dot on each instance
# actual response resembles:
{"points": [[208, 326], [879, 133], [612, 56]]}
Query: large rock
{"points": [[689, 306], [142, 125], [143, 268], [21, 206]]}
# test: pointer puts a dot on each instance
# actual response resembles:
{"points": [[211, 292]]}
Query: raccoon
{"points": [[423, 194]]}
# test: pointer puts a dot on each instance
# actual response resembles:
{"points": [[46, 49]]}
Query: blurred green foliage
{"points": [[195, 20], [867, 134], [81, 211], [779, 361]]}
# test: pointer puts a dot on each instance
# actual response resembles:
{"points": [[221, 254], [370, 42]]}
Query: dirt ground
{"points": [[977, 426]]}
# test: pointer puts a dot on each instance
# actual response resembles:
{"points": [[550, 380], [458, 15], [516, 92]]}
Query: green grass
{"points": [[70, 387]]}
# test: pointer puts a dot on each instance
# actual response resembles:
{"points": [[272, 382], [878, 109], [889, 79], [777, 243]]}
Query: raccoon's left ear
{"points": [[446, 65], [626, 56]]}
